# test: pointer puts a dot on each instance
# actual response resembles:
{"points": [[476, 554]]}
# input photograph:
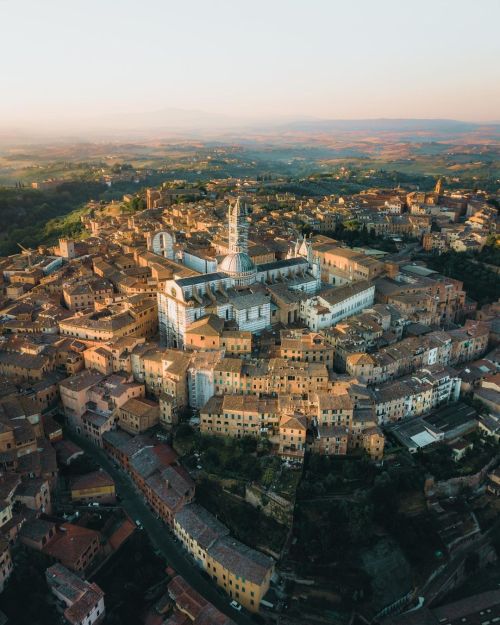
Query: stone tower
{"points": [[238, 227], [238, 263]]}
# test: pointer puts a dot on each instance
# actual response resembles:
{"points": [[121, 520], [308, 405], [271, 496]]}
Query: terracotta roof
{"points": [[140, 406], [70, 543], [199, 610], [119, 536], [293, 422], [79, 595], [95, 479]]}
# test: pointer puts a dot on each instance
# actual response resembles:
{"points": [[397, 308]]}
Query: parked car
{"points": [[235, 605]]}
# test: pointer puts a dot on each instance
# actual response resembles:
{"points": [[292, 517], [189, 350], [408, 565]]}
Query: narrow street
{"points": [[158, 533]]}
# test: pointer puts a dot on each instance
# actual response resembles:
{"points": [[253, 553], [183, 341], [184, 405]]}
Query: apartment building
{"points": [[239, 415], [292, 377], [94, 486], [90, 400], [243, 573], [82, 295], [292, 437], [305, 346], [191, 607], [448, 294], [332, 305], [82, 601], [331, 440], [6, 566], [22, 367], [34, 493], [332, 410], [198, 530], [230, 376], [208, 333], [401, 358], [469, 342], [153, 467], [341, 265], [73, 546], [417, 394], [136, 317], [162, 371], [113, 356], [136, 416]]}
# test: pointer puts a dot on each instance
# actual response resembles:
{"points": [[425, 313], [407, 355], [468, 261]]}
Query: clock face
{"points": [[174, 293]]}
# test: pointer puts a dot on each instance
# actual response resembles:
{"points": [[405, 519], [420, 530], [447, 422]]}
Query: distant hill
{"points": [[196, 124], [387, 125]]}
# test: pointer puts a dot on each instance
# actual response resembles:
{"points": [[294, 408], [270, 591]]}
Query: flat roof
{"points": [[287, 262], [208, 277]]}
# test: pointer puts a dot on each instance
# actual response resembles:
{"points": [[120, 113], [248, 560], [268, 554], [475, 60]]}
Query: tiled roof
{"points": [[71, 542], [200, 525], [241, 560], [95, 479]]}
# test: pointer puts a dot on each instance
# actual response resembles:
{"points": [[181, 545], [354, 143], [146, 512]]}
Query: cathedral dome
{"points": [[239, 266], [239, 262]]}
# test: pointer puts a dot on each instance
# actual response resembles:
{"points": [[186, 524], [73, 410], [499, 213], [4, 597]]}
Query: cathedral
{"points": [[239, 292], [238, 263]]}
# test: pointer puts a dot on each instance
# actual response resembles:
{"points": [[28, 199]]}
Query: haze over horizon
{"points": [[92, 64]]}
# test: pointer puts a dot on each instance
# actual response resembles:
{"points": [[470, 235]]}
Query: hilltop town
{"points": [[239, 402]]}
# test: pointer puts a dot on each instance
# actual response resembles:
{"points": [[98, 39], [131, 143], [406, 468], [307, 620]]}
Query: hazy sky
{"points": [[69, 60]]}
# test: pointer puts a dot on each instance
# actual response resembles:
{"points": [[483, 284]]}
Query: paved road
{"points": [[407, 249], [160, 536]]}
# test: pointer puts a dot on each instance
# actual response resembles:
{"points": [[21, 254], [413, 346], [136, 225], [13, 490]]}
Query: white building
{"points": [[161, 243], [199, 262], [6, 566], [81, 601], [201, 385], [416, 394], [332, 305]]}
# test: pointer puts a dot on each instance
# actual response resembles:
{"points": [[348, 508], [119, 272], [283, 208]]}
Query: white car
{"points": [[235, 605]]}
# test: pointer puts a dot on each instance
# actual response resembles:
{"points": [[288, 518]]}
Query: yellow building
{"points": [[113, 356], [333, 410], [208, 333], [374, 442], [96, 486], [286, 376], [198, 530], [163, 371], [81, 295], [239, 415], [137, 415], [305, 346], [340, 265], [228, 376], [242, 572], [292, 437]]}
